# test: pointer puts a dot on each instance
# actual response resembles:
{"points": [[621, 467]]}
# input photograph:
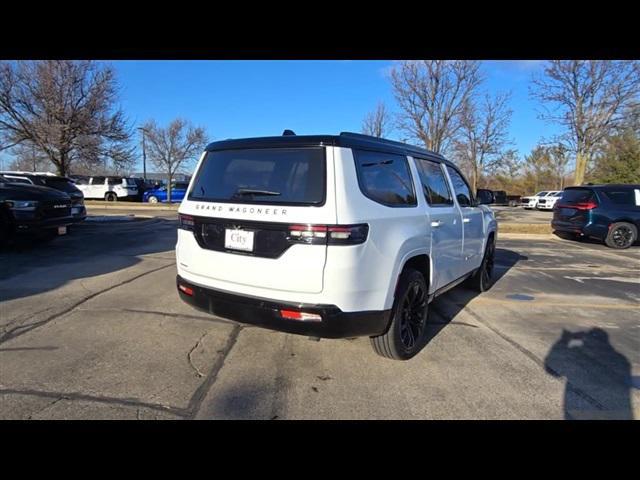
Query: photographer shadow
{"points": [[598, 378]]}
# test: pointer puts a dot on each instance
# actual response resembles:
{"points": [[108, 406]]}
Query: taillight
{"points": [[186, 222], [328, 234], [302, 316], [590, 205], [186, 290]]}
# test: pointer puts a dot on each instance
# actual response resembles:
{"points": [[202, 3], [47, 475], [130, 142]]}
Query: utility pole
{"points": [[33, 156], [144, 155]]}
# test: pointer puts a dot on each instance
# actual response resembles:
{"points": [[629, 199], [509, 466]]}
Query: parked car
{"points": [[549, 201], [609, 213], [109, 188], [501, 198], [160, 193], [32, 209], [331, 236], [46, 179], [532, 202]]}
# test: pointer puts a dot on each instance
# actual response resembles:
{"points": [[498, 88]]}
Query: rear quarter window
{"points": [[385, 178], [621, 197]]}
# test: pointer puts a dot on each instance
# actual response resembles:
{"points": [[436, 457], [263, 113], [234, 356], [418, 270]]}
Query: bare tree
{"points": [[589, 98], [28, 158], [172, 148], [377, 123], [483, 134], [432, 95], [558, 161], [65, 108]]}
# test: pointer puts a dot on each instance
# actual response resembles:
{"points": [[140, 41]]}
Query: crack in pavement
{"points": [[164, 314], [77, 396], [198, 372], [200, 394], [22, 329]]}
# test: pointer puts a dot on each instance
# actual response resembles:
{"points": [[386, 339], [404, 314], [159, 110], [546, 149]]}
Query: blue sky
{"points": [[234, 99]]}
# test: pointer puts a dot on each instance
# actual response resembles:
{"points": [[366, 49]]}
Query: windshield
{"points": [[285, 176], [541, 194], [61, 184]]}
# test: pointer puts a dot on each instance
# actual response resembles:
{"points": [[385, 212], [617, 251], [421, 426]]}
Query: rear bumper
{"points": [[265, 313], [588, 230]]}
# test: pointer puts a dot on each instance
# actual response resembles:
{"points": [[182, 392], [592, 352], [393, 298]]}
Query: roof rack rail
{"points": [[387, 141]]}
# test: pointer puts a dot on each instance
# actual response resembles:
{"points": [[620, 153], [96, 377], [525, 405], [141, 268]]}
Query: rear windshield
{"points": [[576, 195], [286, 176], [61, 184]]}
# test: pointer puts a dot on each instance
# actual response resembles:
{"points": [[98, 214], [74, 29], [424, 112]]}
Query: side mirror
{"points": [[485, 197]]}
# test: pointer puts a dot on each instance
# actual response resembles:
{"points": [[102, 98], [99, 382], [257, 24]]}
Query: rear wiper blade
{"points": [[250, 191]]}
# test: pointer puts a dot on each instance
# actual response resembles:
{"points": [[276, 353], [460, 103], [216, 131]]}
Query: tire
{"points": [[483, 279], [621, 235], [152, 199], [406, 335], [110, 197]]}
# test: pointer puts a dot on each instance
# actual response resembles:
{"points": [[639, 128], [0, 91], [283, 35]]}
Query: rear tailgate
{"points": [[242, 205], [574, 207]]}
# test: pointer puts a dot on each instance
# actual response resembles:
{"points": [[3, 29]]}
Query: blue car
{"points": [[159, 194], [609, 213]]}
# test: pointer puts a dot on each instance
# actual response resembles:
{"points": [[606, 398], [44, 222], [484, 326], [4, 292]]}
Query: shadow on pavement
{"points": [[592, 369], [31, 267], [451, 303]]}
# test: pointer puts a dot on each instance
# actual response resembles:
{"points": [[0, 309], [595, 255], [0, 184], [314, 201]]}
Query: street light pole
{"points": [[144, 155]]}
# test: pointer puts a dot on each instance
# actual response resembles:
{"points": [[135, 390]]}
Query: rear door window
{"points": [[434, 183], [97, 181], [385, 178], [280, 176]]}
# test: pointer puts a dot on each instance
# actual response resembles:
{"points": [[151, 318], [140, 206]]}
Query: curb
{"points": [[129, 206]]}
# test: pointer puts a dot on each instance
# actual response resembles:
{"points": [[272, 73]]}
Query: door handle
{"points": [[466, 220], [436, 224]]}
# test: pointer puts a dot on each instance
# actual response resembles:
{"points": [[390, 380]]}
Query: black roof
{"points": [[607, 185], [345, 139], [33, 174]]}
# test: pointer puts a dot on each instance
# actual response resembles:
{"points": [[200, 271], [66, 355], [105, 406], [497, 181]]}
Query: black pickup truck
{"points": [[29, 209]]}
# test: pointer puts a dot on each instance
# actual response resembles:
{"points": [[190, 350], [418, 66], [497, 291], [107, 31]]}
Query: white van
{"points": [[331, 236], [108, 188]]}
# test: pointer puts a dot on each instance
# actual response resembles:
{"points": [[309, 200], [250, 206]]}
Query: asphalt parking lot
{"points": [[91, 327]]}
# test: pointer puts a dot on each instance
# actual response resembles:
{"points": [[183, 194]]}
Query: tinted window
{"points": [[98, 181], [460, 187], [621, 197], [81, 180], [18, 180], [385, 178], [60, 184], [117, 181], [434, 183], [180, 186], [288, 176], [576, 195]]}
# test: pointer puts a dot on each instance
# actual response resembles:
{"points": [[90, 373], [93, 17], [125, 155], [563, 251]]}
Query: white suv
{"points": [[110, 189], [331, 236], [549, 201]]}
